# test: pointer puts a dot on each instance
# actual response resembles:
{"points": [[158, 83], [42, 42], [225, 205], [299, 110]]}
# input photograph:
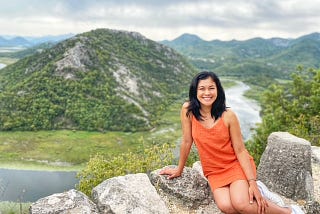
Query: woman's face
{"points": [[207, 92]]}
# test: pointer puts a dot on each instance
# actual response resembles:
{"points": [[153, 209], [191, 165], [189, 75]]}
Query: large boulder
{"points": [[131, 193], [70, 202], [191, 187], [285, 166]]}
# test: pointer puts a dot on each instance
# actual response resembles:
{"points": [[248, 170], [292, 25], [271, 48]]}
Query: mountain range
{"points": [[275, 57], [99, 80], [118, 80], [29, 41]]}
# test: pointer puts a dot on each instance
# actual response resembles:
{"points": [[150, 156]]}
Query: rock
{"points": [[71, 202], [315, 154], [197, 166], [190, 187], [312, 207], [285, 166], [132, 193]]}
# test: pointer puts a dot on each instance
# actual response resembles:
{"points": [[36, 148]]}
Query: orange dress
{"points": [[218, 159]]}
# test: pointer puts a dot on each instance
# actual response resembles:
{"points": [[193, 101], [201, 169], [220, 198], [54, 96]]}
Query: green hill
{"points": [[99, 80], [275, 57]]}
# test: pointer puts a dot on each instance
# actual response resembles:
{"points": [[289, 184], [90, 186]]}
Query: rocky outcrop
{"points": [[71, 202], [191, 187], [132, 193], [190, 193], [285, 166]]}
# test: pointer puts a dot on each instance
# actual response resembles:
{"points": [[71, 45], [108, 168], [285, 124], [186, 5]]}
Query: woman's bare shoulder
{"points": [[184, 110], [186, 104], [229, 115]]}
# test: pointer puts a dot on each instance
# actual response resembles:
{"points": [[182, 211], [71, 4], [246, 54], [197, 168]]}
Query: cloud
{"points": [[166, 19]]}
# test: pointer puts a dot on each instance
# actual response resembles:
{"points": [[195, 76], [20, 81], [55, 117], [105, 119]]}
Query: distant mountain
{"points": [[99, 80], [48, 39], [19, 41], [14, 42], [275, 57]]}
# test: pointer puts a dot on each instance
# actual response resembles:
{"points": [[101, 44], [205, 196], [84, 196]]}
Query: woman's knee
{"points": [[226, 207], [241, 206]]}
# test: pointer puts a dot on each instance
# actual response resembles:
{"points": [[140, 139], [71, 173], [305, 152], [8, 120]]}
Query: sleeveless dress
{"points": [[218, 159]]}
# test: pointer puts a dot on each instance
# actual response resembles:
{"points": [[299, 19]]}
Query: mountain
{"points": [[19, 41], [48, 39], [99, 80], [14, 42], [275, 57]]}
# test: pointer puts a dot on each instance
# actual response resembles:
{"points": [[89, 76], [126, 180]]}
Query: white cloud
{"points": [[166, 19]]}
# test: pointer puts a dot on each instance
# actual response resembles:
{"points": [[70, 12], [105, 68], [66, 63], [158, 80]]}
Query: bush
{"points": [[100, 168]]}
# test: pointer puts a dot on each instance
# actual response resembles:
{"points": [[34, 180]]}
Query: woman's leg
{"points": [[239, 195], [223, 201]]}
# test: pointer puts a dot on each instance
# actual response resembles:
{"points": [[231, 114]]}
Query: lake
{"points": [[29, 186]]}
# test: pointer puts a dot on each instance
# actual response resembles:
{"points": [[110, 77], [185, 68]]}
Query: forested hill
{"points": [[275, 57], [99, 80]]}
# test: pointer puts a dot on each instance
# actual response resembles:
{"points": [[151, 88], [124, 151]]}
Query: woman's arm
{"points": [[185, 146], [238, 145], [243, 158]]}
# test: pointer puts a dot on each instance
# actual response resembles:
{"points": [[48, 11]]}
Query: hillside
{"points": [[275, 57], [99, 80]]}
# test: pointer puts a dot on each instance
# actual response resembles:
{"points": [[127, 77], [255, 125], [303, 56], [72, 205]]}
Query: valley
{"points": [[110, 93]]}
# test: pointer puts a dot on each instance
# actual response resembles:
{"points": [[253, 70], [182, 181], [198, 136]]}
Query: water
{"points": [[2, 65], [247, 110], [29, 185]]}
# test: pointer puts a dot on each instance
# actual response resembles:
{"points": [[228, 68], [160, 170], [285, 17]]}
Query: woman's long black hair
{"points": [[219, 105]]}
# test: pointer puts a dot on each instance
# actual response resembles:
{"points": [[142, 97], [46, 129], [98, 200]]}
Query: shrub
{"points": [[100, 168]]}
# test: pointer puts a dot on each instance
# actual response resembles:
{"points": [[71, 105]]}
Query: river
{"points": [[28, 185], [247, 110]]}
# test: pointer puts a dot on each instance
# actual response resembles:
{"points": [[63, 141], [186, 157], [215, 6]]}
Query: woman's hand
{"points": [[255, 193], [171, 172]]}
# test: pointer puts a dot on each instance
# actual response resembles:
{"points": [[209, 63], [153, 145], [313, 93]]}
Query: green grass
{"points": [[14, 208], [7, 61], [57, 148], [70, 150]]}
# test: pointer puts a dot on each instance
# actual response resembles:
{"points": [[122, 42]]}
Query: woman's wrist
{"points": [[251, 180]]}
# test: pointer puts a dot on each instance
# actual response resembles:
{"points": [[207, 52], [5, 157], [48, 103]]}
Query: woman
{"points": [[230, 170]]}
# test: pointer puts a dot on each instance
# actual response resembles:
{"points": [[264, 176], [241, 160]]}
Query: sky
{"points": [[163, 19]]}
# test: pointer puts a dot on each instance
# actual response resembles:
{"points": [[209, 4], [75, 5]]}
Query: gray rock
{"points": [[285, 166], [315, 157], [70, 202], [132, 193], [191, 187], [197, 166]]}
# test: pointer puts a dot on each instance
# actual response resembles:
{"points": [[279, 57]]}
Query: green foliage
{"points": [[291, 107], [274, 57], [116, 80], [100, 168]]}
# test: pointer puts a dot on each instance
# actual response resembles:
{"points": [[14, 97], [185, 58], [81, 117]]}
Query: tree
{"points": [[292, 107]]}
